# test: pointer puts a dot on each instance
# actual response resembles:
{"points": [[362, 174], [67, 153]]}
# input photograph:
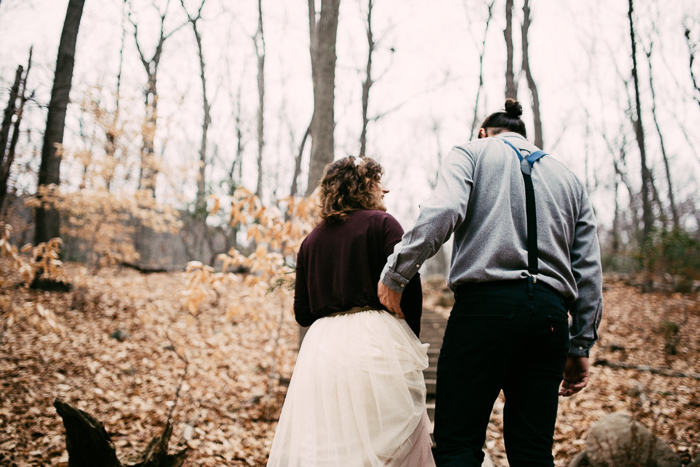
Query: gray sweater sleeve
{"points": [[438, 218], [587, 310]]}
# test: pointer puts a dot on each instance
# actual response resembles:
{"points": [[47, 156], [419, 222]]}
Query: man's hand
{"points": [[390, 299], [575, 375]]}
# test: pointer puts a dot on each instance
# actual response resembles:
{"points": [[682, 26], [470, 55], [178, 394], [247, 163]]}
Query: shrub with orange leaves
{"points": [[277, 231]]}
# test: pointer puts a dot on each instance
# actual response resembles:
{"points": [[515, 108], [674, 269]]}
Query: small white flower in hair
{"points": [[358, 161]]}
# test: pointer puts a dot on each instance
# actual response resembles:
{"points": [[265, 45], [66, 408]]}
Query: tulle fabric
{"points": [[357, 397]]}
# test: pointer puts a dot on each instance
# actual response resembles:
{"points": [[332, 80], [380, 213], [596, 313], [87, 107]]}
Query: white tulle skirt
{"points": [[357, 397]]}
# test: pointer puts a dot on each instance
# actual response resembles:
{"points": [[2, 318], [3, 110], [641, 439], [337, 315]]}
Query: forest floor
{"points": [[232, 361]]}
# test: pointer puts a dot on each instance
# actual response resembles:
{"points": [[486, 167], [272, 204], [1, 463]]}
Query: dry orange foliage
{"points": [[277, 233]]}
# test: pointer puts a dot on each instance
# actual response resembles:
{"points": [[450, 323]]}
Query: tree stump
{"points": [[89, 444]]}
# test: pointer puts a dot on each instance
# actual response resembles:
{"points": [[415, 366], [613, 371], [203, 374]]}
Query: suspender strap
{"points": [[530, 207]]}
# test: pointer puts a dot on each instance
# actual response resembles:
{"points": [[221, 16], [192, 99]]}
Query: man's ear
{"points": [[482, 133]]}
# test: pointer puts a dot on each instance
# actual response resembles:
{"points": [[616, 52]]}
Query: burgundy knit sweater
{"points": [[338, 268]]}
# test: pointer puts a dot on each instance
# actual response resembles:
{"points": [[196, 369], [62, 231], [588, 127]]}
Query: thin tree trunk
{"points": [[647, 213], [528, 74], [201, 197], [367, 85], [297, 163], [112, 132], [149, 169], [481, 70], [47, 218], [511, 85], [616, 219], [259, 40], [691, 53], [10, 111], [11, 151], [323, 57], [671, 198]]}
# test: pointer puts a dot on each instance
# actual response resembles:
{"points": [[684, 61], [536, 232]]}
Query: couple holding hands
{"points": [[527, 279]]}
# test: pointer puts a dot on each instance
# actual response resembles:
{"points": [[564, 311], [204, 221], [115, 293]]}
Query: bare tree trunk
{"points": [[259, 40], [616, 218], [201, 198], [671, 199], [11, 151], [619, 165], [112, 132], [47, 218], [149, 169], [647, 213], [323, 57], [691, 53], [6, 158], [481, 70], [511, 85], [367, 85], [297, 163], [528, 74]]}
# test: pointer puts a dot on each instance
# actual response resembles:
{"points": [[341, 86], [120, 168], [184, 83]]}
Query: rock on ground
{"points": [[618, 441]]}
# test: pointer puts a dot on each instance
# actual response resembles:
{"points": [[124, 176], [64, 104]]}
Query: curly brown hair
{"points": [[348, 185]]}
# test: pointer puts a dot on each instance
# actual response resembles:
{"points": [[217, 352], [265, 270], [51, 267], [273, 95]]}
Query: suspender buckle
{"points": [[534, 278]]}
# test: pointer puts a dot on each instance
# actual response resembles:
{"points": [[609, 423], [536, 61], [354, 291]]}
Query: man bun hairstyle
{"points": [[513, 108], [348, 185], [509, 120]]}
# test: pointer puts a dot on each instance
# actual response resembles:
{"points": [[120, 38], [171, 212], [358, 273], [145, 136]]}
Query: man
{"points": [[520, 261]]}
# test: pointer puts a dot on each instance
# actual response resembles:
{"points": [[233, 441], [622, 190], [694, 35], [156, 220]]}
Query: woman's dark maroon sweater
{"points": [[338, 268]]}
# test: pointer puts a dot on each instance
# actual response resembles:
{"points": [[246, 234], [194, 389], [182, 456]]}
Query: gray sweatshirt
{"points": [[480, 197]]}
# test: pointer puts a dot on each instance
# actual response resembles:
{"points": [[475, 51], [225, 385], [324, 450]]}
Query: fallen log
{"points": [[656, 371], [89, 444]]}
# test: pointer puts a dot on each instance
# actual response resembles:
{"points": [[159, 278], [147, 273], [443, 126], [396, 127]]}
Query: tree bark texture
{"points": [[647, 214], [47, 218], [89, 445], [259, 40], [323, 57], [528, 74], [511, 85], [367, 85]]}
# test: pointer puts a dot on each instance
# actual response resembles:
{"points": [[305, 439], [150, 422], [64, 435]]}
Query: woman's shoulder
{"points": [[374, 217]]}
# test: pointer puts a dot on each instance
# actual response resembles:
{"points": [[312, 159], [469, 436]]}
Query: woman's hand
{"points": [[390, 299]]}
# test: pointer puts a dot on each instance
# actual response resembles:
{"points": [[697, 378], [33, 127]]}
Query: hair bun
{"points": [[513, 108]]}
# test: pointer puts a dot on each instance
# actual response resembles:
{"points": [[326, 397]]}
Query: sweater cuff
{"points": [[394, 281]]}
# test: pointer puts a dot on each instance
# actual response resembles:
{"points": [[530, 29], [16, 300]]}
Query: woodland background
{"points": [[160, 157]]}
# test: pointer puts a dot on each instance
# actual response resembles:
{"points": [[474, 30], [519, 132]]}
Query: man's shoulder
{"points": [[474, 147], [563, 172]]}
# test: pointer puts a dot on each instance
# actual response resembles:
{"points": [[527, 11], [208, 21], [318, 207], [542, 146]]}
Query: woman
{"points": [[357, 396]]}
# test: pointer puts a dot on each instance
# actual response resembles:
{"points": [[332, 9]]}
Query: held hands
{"points": [[575, 376], [390, 299]]}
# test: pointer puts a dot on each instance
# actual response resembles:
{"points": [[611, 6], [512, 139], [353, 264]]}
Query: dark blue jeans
{"points": [[506, 335]]}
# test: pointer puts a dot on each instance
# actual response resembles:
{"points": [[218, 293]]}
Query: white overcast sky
{"points": [[579, 56]]}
